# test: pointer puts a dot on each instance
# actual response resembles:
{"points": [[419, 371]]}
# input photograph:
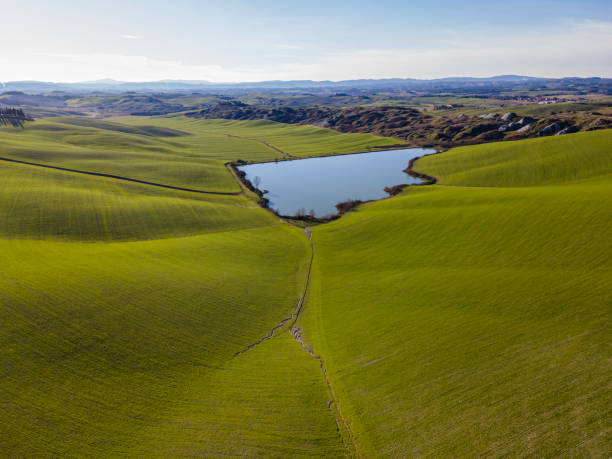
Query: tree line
{"points": [[13, 117]]}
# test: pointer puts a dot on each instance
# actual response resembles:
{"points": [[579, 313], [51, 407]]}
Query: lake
{"points": [[321, 183]]}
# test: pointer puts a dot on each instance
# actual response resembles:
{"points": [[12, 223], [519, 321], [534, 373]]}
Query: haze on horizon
{"points": [[238, 40]]}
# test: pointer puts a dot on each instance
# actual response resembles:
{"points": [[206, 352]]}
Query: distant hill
{"points": [[412, 126], [109, 85]]}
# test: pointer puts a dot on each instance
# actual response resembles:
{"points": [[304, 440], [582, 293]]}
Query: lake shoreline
{"points": [[342, 206]]}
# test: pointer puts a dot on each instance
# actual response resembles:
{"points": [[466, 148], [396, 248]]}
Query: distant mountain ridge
{"points": [[109, 85]]}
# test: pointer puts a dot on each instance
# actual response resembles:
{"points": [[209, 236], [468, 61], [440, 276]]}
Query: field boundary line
{"points": [[269, 145], [119, 177]]}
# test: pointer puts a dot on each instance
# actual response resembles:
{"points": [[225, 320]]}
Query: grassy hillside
{"points": [[122, 307], [41, 203], [270, 402], [107, 346], [164, 160], [463, 319], [470, 318], [173, 151], [300, 141], [532, 162]]}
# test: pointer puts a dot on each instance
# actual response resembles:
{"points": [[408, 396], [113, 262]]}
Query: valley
{"points": [[466, 317]]}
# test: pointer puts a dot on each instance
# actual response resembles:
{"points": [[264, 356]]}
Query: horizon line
{"points": [[196, 82]]}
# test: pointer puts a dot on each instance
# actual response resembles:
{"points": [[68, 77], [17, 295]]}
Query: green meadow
{"points": [[123, 305], [127, 348], [295, 140], [468, 318], [41, 203], [172, 151], [471, 318]]}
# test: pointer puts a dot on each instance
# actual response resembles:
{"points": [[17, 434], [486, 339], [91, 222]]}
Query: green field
{"points": [[299, 141], [40, 203], [123, 304], [173, 151], [469, 318], [117, 348]]}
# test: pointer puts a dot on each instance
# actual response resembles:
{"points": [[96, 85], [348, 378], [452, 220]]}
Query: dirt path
{"points": [[125, 179], [288, 155]]}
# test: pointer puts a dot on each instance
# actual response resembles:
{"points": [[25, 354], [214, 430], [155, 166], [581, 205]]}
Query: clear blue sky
{"points": [[234, 40]]}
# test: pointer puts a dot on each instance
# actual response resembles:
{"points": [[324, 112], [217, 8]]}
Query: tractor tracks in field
{"points": [[122, 178], [344, 427], [263, 142]]}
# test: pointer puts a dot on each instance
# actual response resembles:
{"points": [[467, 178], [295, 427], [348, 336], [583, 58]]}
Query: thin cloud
{"points": [[547, 52], [131, 37], [290, 47]]}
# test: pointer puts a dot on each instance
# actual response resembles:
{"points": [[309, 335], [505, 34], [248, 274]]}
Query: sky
{"points": [[258, 40]]}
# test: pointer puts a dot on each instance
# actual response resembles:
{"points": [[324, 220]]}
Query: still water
{"points": [[321, 183]]}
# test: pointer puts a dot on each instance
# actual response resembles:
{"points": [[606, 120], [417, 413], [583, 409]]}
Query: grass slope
{"points": [[122, 305], [268, 402], [42, 203], [119, 338], [531, 162], [157, 159], [300, 141], [472, 319], [174, 151]]}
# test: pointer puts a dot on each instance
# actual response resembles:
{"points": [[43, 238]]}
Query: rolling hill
{"points": [[124, 305], [466, 318], [470, 318]]}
